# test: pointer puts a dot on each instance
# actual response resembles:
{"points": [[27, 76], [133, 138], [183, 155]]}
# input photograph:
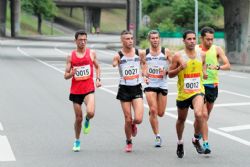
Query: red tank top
{"points": [[82, 81]]}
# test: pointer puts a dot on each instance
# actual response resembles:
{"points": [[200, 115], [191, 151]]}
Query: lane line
{"points": [[6, 153], [234, 138], [60, 51], [38, 60], [237, 76], [235, 128], [233, 93], [1, 127], [232, 104]]}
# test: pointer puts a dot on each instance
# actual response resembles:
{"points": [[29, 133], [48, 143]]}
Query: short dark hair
{"points": [[125, 32], [153, 32], [205, 30], [185, 33], [80, 32]]}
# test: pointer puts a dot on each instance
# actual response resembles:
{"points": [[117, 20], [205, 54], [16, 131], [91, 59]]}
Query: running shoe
{"points": [[134, 130], [206, 148], [158, 141], [76, 146], [197, 145], [180, 150], [86, 127], [128, 147]]}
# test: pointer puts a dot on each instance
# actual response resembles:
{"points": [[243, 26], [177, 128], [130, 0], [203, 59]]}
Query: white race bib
{"points": [[130, 72], [192, 84], [82, 72], [155, 71]]}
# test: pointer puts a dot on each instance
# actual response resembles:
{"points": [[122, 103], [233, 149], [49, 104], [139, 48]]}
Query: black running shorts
{"points": [[188, 102], [164, 92], [128, 93], [78, 98], [211, 94]]}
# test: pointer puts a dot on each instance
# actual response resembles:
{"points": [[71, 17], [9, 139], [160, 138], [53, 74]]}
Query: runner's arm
{"points": [[116, 60], [97, 68], [204, 65], [69, 72], [143, 63], [223, 58], [168, 55], [175, 66]]}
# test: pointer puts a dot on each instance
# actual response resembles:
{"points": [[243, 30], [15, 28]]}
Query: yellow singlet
{"points": [[190, 79]]}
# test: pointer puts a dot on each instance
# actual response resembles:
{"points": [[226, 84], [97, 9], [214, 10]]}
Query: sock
{"points": [[129, 141], [87, 118], [205, 142], [197, 136], [180, 142]]}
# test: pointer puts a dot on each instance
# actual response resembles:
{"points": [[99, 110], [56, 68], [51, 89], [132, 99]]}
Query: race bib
{"points": [[155, 72], [130, 73], [192, 83], [82, 72]]}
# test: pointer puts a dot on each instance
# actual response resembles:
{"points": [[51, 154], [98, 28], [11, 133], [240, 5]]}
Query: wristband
{"points": [[218, 67], [98, 79]]}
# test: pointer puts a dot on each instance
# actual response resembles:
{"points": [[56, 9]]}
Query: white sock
{"points": [[180, 142]]}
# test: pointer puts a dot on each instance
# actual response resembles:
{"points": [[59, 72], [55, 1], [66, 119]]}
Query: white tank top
{"points": [[129, 69], [156, 65]]}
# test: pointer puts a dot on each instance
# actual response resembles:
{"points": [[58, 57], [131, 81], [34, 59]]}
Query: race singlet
{"points": [[130, 72], [192, 83], [82, 72], [155, 71]]}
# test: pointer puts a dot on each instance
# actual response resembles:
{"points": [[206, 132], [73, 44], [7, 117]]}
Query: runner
{"points": [[213, 55], [128, 59], [156, 90], [79, 67], [190, 67]]}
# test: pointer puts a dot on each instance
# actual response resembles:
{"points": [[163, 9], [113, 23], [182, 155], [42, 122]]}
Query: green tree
{"points": [[149, 6], [41, 9], [179, 14]]}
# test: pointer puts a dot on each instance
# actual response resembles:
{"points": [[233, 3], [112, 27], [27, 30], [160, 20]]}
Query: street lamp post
{"points": [[196, 18]]}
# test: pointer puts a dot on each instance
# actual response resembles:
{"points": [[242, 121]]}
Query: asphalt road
{"points": [[36, 117]]}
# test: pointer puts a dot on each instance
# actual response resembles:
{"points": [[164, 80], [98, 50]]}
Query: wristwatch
{"points": [[218, 67]]}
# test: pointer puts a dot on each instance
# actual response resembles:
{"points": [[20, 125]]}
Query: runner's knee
{"points": [[137, 120], [161, 114], [153, 111], [78, 119]]}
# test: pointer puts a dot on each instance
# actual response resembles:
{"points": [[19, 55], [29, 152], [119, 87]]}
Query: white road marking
{"points": [[234, 138], [38, 60], [61, 52], [233, 93], [237, 76], [235, 128], [1, 127], [53, 64], [232, 104], [56, 61], [237, 139], [6, 153]]}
